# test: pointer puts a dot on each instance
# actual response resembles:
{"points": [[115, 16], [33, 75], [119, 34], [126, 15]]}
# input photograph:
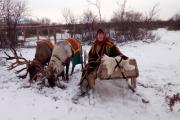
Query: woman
{"points": [[101, 46]]}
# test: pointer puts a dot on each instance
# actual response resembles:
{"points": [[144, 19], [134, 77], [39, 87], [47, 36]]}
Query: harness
{"points": [[63, 63], [118, 66], [47, 42], [75, 46], [76, 50]]}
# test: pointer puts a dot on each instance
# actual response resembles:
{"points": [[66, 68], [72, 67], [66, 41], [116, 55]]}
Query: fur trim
{"points": [[110, 64]]}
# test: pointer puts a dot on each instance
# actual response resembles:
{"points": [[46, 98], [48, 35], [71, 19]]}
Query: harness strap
{"points": [[118, 65], [63, 63]]}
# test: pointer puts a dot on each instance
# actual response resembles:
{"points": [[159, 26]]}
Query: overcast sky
{"points": [[52, 8]]}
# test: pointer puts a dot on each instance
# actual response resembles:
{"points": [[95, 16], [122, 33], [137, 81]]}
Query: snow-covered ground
{"points": [[159, 66]]}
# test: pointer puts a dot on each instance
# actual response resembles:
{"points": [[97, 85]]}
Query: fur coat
{"points": [[97, 50]]}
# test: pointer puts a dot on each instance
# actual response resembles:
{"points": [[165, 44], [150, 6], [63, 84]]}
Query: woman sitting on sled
{"points": [[102, 45]]}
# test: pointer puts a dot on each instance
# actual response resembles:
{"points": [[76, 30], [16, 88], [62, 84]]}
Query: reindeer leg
{"points": [[62, 74], [52, 83], [60, 84], [82, 63], [73, 66], [67, 70]]}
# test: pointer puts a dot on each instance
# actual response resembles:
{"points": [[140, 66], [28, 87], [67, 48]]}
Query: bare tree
{"points": [[98, 5], [65, 14], [44, 21], [88, 17], [1, 35], [153, 13], [68, 16], [89, 20], [70, 20], [133, 16], [174, 22], [133, 25], [12, 13], [123, 8], [1, 7], [176, 17], [119, 14]]}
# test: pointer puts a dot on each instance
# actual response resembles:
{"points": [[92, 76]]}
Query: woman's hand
{"points": [[124, 57]]}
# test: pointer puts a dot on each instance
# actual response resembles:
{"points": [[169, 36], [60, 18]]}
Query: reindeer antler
{"points": [[19, 61]]}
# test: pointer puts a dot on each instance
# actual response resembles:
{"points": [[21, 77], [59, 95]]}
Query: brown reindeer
{"points": [[42, 56]]}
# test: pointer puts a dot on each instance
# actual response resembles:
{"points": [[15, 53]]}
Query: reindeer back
{"points": [[43, 51]]}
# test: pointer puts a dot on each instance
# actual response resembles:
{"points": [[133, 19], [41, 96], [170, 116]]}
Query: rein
{"points": [[63, 63]]}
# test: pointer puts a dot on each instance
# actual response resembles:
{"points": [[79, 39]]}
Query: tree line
{"points": [[125, 25], [11, 12]]}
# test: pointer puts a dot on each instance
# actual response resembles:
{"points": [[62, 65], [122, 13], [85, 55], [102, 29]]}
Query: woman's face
{"points": [[100, 37]]}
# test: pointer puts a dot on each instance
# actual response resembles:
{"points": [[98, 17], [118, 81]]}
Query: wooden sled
{"points": [[117, 75]]}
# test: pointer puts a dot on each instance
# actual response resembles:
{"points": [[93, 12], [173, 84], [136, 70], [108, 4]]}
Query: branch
{"points": [[172, 100], [97, 4]]}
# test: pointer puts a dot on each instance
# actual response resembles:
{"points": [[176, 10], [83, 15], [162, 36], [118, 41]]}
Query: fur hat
{"points": [[100, 31]]}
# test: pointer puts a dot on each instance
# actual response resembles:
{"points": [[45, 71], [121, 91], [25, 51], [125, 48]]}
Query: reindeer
{"points": [[64, 52], [42, 56]]}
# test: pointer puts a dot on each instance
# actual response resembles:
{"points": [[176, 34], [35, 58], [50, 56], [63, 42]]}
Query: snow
{"points": [[158, 63]]}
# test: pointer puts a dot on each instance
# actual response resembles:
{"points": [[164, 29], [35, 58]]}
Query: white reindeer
{"points": [[61, 56]]}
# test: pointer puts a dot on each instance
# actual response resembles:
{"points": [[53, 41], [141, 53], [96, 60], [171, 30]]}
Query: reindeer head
{"points": [[54, 71], [51, 75], [32, 67]]}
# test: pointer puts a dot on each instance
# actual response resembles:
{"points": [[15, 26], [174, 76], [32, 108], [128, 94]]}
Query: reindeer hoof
{"points": [[61, 85], [52, 84]]}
